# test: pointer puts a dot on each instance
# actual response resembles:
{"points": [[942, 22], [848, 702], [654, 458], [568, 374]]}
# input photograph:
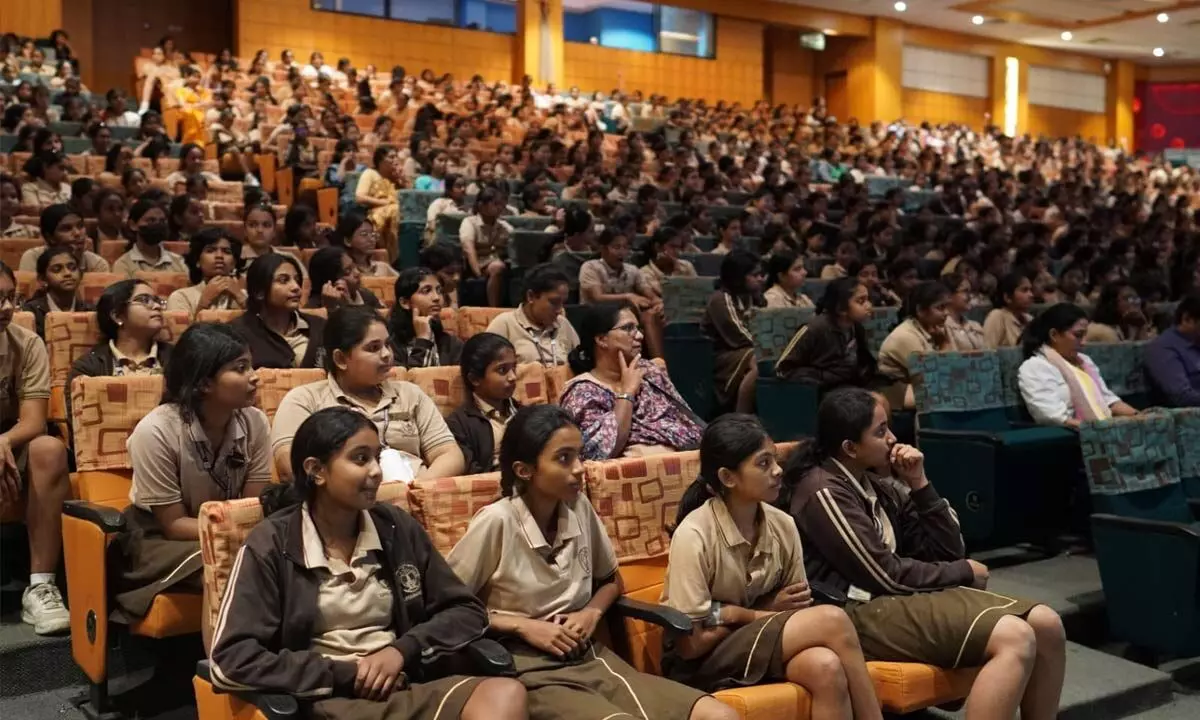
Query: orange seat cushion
{"points": [[212, 705], [777, 701], [905, 687], [170, 614]]}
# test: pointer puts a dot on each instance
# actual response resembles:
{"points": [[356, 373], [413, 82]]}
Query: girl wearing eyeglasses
{"points": [[624, 405]]}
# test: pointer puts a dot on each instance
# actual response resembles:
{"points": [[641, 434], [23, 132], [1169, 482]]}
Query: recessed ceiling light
{"points": [[830, 31], [1067, 35], [901, 6], [1163, 17], [1159, 52], [977, 20]]}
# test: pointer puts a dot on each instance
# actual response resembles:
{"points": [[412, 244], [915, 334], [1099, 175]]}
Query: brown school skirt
{"points": [[442, 699], [751, 655], [949, 628], [142, 564], [596, 686]]}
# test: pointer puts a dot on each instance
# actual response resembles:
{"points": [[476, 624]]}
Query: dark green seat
{"points": [[691, 363], [531, 223], [707, 264], [527, 247], [685, 298], [1008, 482], [788, 410], [448, 225], [882, 321], [720, 212], [414, 204], [1122, 365], [1187, 443], [1147, 546], [412, 239]]}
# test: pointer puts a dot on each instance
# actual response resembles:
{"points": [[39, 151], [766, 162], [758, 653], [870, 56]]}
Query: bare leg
{"points": [[495, 274], [49, 486], [710, 708], [1044, 690], [497, 699], [825, 626], [746, 399], [1001, 682], [819, 670]]}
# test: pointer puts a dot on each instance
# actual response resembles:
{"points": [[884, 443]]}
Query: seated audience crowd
{"points": [[569, 235]]}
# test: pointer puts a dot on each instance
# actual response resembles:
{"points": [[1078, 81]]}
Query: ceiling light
{"points": [[977, 20], [1163, 17], [901, 6], [1159, 52], [1066, 35]]}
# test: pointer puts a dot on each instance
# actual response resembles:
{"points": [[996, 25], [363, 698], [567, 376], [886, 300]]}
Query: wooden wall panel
{"points": [[788, 69], [944, 108], [735, 75], [1060, 122], [292, 24], [32, 18]]}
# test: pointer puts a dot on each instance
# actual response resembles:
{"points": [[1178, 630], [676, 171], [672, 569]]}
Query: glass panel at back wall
{"points": [[358, 7], [621, 24], [686, 32], [440, 12]]}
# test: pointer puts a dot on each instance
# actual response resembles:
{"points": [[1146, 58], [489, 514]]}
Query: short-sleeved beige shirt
{"points": [[91, 261], [506, 561], [173, 462], [24, 372], [188, 300], [491, 243], [533, 344], [354, 602], [600, 275], [134, 262], [652, 276], [710, 561], [1003, 329], [406, 418]]}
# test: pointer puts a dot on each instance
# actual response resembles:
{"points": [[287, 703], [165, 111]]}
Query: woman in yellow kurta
{"points": [[193, 101], [378, 190]]}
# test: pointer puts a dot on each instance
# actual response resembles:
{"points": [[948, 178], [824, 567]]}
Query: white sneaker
{"points": [[42, 607]]}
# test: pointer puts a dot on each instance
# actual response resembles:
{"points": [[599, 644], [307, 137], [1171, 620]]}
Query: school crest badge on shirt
{"points": [[409, 580]]}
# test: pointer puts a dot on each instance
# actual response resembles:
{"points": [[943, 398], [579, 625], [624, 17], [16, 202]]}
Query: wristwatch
{"points": [[624, 396]]}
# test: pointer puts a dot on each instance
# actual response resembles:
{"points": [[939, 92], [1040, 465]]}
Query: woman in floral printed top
{"points": [[624, 405]]}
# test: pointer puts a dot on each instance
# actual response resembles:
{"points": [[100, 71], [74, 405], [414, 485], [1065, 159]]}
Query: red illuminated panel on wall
{"points": [[1167, 115]]}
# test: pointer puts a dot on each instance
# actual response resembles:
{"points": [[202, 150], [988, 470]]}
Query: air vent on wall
{"points": [[1099, 41]]}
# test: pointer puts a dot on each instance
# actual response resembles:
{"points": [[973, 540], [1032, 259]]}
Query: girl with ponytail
{"points": [[338, 598], [736, 569]]}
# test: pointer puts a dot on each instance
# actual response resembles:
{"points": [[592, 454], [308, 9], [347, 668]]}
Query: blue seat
{"points": [[1008, 482], [685, 298], [448, 225], [529, 222], [691, 363], [1122, 365], [1147, 545], [707, 264], [788, 410], [1187, 444], [882, 321], [720, 212], [414, 204]]}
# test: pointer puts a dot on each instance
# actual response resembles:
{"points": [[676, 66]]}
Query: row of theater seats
{"points": [[69, 336], [93, 165], [635, 498]]}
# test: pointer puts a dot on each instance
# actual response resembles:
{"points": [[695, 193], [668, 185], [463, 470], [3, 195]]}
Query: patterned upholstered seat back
{"points": [[224, 317], [383, 288], [530, 223], [1187, 443], [1009, 360], [684, 299], [448, 224], [164, 283], [1120, 365], [274, 384], [956, 381], [445, 385], [224, 527], [474, 320], [445, 506], [105, 410], [637, 499], [879, 325], [773, 329], [69, 336], [414, 204], [1132, 466]]}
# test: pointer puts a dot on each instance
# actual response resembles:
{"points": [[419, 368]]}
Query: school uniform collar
{"points": [[568, 526], [312, 549], [388, 396], [120, 358], [730, 534], [52, 306], [164, 257], [532, 328], [501, 414]]}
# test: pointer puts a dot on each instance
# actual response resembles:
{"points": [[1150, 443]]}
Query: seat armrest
{"points": [[1161, 527], [1194, 504], [489, 657], [275, 706], [107, 519], [669, 619], [965, 435]]}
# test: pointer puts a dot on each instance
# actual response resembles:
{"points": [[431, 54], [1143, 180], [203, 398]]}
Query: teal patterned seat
{"points": [[414, 204], [1187, 443], [527, 247], [882, 321], [1122, 367], [814, 288], [529, 222], [773, 329], [685, 298], [1010, 359], [1008, 482], [448, 225], [1147, 546]]}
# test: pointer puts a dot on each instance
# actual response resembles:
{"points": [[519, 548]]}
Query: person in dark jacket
{"points": [[489, 373], [280, 336], [346, 602], [130, 317], [415, 323], [874, 527], [59, 273], [727, 322], [832, 350], [337, 281]]}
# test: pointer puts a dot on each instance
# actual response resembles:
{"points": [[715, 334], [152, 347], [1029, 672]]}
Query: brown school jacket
{"points": [[843, 545], [266, 623]]}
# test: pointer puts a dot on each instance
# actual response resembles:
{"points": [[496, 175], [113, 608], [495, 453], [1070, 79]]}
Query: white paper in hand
{"points": [[397, 466]]}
